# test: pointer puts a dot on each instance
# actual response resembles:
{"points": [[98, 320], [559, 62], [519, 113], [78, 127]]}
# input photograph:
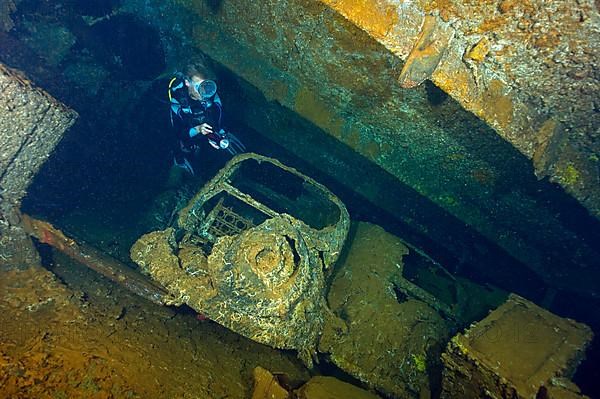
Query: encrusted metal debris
{"points": [[518, 350], [383, 337], [95, 260], [249, 251]]}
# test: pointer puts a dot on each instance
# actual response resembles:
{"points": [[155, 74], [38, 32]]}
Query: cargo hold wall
{"points": [[31, 124]]}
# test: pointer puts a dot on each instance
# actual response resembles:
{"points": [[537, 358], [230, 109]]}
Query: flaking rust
{"points": [[250, 252], [427, 52]]}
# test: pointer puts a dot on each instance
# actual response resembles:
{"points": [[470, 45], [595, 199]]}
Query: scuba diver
{"points": [[196, 112]]}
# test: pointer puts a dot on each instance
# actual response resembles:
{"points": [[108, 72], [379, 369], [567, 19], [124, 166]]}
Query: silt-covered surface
{"points": [[379, 336], [84, 337]]}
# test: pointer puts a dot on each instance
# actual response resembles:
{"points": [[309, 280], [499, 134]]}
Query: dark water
{"points": [[116, 159]]}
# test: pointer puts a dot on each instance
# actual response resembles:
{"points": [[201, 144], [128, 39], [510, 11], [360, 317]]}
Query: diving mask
{"points": [[206, 88]]}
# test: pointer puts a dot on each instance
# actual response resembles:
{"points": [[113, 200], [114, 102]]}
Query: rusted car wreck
{"points": [[250, 251]]}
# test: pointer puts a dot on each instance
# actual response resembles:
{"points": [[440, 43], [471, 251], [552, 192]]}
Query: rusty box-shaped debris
{"points": [[518, 351], [250, 250]]}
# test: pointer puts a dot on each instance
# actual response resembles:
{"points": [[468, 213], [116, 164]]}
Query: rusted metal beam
{"points": [[95, 260]]}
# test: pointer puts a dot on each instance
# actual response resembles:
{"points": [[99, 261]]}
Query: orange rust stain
{"points": [[491, 24], [498, 106], [465, 9], [507, 5], [548, 40], [46, 237], [456, 82], [446, 8], [375, 16], [493, 106], [480, 50]]}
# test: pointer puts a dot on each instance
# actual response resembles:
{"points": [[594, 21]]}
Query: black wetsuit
{"points": [[186, 113]]}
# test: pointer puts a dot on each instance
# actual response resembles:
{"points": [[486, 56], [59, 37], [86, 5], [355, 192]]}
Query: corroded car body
{"points": [[250, 251]]}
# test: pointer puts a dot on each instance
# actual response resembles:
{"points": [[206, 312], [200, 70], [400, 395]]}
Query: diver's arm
{"points": [[205, 125]]}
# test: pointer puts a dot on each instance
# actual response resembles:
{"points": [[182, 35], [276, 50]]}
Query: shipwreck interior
{"points": [[464, 201]]}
